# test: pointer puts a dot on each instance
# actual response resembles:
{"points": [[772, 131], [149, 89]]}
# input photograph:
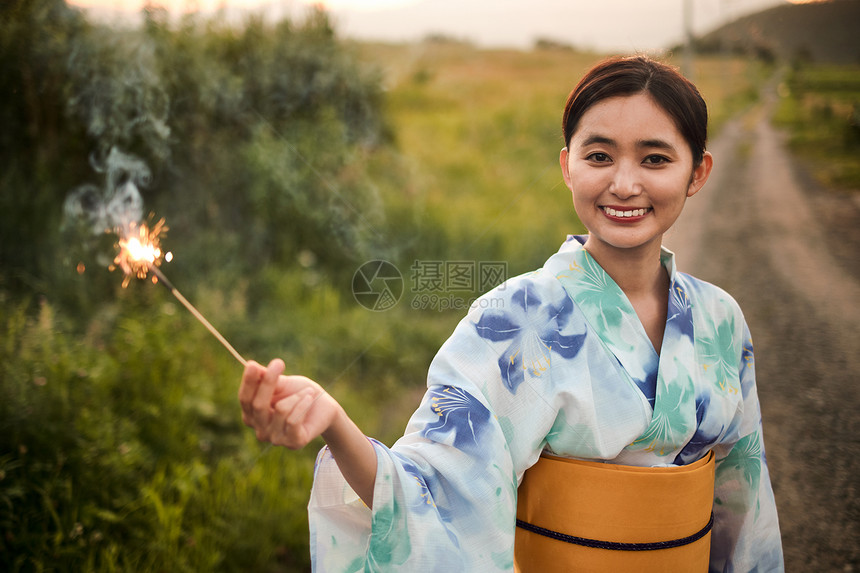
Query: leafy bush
{"points": [[121, 446], [259, 132], [118, 456]]}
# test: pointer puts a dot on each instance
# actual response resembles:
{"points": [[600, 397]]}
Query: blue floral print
{"points": [[535, 330], [459, 413]]}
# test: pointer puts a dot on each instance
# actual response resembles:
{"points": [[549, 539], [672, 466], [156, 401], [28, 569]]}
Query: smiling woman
{"points": [[605, 354]]}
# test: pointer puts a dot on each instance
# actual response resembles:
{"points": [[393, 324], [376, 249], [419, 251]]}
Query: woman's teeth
{"points": [[631, 213]]}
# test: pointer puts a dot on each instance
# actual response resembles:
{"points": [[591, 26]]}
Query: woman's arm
{"points": [[292, 411]]}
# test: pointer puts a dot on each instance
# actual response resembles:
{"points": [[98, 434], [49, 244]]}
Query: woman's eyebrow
{"points": [[592, 139], [641, 143], [658, 143]]}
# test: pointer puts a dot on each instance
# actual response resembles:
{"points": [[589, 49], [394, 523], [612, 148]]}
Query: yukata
{"points": [[556, 360]]}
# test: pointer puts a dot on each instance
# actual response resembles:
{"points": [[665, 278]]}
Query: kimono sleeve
{"points": [[445, 493], [746, 530]]}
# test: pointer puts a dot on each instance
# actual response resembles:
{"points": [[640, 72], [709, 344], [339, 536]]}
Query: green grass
{"points": [[480, 133], [820, 108], [729, 86], [121, 451]]}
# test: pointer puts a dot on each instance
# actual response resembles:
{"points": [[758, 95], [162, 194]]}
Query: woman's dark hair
{"points": [[626, 76]]}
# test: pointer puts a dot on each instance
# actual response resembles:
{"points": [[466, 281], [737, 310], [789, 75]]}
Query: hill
{"points": [[821, 32]]}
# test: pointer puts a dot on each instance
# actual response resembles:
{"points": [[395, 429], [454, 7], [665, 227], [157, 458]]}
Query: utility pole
{"points": [[687, 61]]}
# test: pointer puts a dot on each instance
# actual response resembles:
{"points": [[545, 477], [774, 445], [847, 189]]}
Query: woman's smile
{"points": [[625, 214]]}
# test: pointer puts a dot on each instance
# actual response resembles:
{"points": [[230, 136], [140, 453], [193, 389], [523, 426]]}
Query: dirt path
{"points": [[789, 252]]}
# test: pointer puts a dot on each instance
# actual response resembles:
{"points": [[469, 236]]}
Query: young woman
{"points": [[606, 354]]}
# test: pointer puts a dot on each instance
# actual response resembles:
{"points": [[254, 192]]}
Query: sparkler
{"points": [[141, 253]]}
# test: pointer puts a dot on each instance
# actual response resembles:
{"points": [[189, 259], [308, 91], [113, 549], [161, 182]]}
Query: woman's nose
{"points": [[625, 181]]}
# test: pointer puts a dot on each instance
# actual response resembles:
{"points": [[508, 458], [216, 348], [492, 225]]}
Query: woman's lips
{"points": [[625, 213]]}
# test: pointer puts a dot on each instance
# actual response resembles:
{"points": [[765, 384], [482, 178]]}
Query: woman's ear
{"points": [[563, 160], [701, 174]]}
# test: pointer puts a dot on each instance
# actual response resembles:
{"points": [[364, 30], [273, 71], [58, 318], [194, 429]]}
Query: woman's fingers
{"points": [[255, 394], [297, 415], [251, 378], [281, 408], [292, 415], [267, 386]]}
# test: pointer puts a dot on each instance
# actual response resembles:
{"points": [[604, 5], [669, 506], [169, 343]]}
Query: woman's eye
{"points": [[656, 160], [598, 157]]}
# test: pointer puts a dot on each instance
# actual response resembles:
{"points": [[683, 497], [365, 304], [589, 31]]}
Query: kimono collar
{"points": [[666, 380], [667, 257]]}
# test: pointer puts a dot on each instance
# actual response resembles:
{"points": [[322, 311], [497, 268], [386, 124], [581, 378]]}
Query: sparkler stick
{"points": [[196, 313], [138, 255]]}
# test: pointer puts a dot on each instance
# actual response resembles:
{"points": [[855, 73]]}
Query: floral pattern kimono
{"points": [[557, 360]]}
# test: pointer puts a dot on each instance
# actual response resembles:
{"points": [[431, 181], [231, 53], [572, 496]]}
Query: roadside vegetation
{"points": [[282, 158], [820, 108]]}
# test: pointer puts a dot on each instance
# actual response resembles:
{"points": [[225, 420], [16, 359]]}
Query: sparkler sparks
{"points": [[139, 253]]}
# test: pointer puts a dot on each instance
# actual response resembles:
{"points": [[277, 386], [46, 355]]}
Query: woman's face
{"points": [[630, 171]]}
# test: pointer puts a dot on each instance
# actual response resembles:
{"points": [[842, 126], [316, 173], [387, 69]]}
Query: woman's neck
{"points": [[640, 274]]}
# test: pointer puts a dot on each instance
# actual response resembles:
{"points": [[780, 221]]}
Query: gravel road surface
{"points": [[789, 252]]}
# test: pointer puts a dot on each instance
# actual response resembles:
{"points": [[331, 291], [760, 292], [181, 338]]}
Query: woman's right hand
{"points": [[292, 411], [288, 411]]}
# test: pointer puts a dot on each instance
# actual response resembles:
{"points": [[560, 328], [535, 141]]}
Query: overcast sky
{"points": [[605, 25], [615, 25]]}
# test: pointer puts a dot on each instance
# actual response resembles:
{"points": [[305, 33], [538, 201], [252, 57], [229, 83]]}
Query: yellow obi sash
{"points": [[575, 515]]}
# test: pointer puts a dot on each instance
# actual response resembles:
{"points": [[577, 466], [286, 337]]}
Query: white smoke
{"points": [[117, 204]]}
